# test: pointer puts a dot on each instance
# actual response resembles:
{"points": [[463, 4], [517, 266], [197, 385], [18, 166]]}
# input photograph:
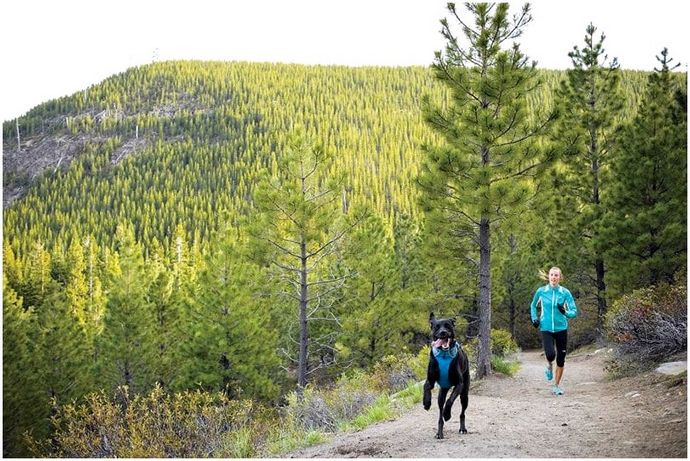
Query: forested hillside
{"points": [[134, 250], [180, 142]]}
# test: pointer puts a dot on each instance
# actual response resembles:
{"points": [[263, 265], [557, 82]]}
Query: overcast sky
{"points": [[53, 48]]}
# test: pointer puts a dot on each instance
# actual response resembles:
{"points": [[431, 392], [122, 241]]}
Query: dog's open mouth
{"points": [[443, 343]]}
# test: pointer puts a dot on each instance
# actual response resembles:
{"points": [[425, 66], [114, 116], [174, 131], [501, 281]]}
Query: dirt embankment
{"points": [[518, 417]]}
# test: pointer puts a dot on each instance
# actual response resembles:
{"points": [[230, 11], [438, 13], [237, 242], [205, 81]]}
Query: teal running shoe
{"points": [[548, 373], [557, 390]]}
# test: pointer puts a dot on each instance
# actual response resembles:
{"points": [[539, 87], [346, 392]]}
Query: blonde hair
{"points": [[545, 275]]}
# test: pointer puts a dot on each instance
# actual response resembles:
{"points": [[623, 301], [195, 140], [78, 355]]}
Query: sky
{"points": [[53, 48]]}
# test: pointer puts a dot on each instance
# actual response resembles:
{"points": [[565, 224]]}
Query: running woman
{"points": [[557, 306]]}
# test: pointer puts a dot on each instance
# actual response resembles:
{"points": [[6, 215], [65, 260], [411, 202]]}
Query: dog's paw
{"points": [[439, 435], [427, 406], [463, 430]]}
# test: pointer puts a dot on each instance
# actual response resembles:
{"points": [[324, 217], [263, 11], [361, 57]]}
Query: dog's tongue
{"points": [[440, 343]]}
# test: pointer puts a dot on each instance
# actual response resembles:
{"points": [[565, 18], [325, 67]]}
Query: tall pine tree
{"points": [[646, 219], [591, 101], [231, 341], [481, 174], [297, 228]]}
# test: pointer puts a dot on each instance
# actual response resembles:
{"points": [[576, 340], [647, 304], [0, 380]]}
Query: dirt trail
{"points": [[519, 418]]}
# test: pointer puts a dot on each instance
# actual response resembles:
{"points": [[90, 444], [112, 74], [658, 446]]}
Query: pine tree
{"points": [[95, 299], [231, 339], [297, 228], [63, 353], [164, 306], [590, 99], [11, 266], [125, 350], [38, 284], [366, 309], [76, 288], [481, 174], [22, 401], [646, 221]]}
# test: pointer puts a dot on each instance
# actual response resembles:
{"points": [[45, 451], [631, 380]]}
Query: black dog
{"points": [[448, 366]]}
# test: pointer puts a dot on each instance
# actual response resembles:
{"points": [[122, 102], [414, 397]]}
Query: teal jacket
{"points": [[551, 318]]}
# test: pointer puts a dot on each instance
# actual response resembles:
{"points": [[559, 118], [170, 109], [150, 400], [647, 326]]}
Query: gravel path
{"points": [[518, 417]]}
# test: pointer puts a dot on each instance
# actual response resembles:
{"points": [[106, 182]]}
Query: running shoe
{"points": [[557, 390], [548, 373]]}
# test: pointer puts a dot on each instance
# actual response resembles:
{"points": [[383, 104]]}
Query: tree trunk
{"points": [[19, 141], [598, 260], [601, 292], [484, 359], [512, 281], [303, 333], [511, 310], [128, 375]]}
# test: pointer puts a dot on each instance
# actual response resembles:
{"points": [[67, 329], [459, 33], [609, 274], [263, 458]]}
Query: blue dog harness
{"points": [[444, 358]]}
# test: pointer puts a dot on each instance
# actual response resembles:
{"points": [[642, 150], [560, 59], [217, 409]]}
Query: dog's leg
{"points": [[426, 400], [442, 393], [464, 399], [449, 404]]}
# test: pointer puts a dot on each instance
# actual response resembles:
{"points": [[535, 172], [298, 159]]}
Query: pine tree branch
{"points": [[532, 133], [337, 237], [282, 248]]}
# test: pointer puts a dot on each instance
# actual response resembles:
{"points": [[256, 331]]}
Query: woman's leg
{"points": [[549, 352], [561, 338], [549, 349]]}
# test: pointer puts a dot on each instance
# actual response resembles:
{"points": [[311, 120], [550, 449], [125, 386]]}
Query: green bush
{"points": [[650, 323], [394, 372], [323, 409], [353, 394], [502, 343], [157, 425], [421, 362], [498, 364]]}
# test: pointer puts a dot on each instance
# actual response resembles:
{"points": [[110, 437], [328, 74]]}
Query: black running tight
{"points": [[557, 352]]}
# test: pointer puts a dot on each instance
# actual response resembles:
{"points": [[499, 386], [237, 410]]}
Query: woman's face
{"points": [[554, 277]]}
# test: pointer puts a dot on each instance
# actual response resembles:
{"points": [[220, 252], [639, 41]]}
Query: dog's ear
{"points": [[452, 321], [431, 318]]}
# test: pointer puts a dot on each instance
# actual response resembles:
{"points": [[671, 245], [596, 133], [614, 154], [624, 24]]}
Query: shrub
{"points": [[421, 362], [312, 412], [323, 409], [502, 343], [650, 323], [380, 410], [157, 425], [584, 329], [498, 364], [353, 394], [393, 372]]}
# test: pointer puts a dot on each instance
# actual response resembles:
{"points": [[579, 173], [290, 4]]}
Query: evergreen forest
{"points": [[261, 229]]}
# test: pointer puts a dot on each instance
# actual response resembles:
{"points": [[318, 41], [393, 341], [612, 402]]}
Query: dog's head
{"points": [[443, 331]]}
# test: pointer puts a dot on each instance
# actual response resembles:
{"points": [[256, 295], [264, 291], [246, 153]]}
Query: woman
{"points": [[557, 306]]}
